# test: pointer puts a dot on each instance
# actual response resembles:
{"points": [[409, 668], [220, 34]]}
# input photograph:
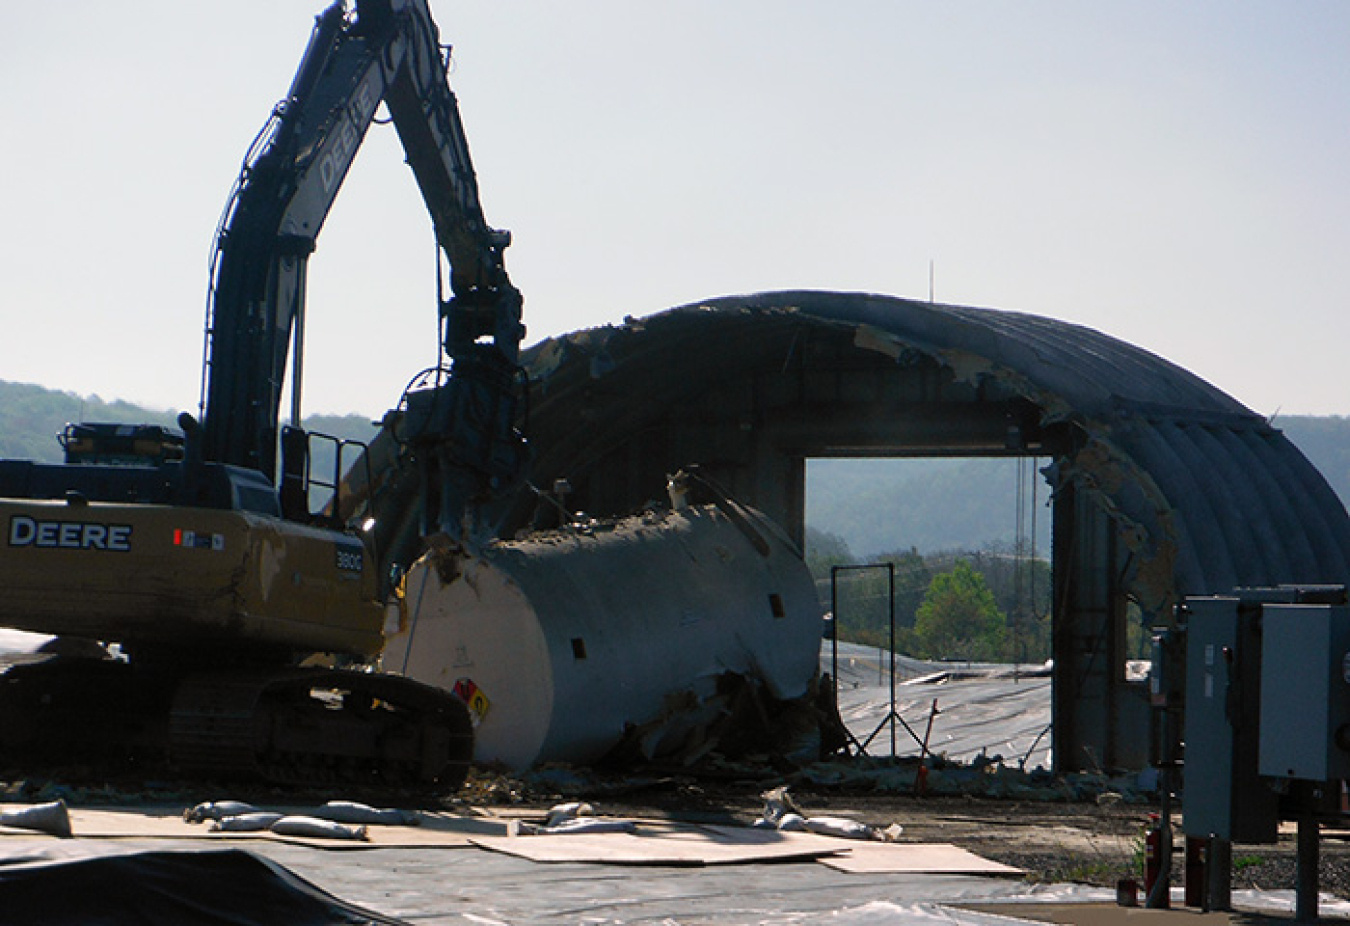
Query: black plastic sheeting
{"points": [[1212, 495], [214, 887]]}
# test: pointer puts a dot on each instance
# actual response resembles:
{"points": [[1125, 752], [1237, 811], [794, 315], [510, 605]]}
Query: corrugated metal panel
{"points": [[1227, 498], [1061, 357]]}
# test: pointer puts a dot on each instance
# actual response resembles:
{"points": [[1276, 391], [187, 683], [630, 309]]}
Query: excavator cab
{"points": [[313, 466]]}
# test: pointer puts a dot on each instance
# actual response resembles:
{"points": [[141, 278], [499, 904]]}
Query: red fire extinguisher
{"points": [[1153, 845]]}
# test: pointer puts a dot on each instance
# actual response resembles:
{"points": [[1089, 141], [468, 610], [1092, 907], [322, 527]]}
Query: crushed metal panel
{"points": [[869, 337], [1144, 519], [1207, 523], [971, 368]]}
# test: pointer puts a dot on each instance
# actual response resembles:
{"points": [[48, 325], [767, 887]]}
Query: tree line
{"points": [[31, 417], [973, 605]]}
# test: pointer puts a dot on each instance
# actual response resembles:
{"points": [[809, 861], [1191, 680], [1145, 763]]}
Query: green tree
{"points": [[959, 618], [1022, 589], [913, 573], [863, 594]]}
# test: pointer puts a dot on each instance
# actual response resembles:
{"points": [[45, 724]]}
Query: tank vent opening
{"points": [[776, 605], [578, 648]]}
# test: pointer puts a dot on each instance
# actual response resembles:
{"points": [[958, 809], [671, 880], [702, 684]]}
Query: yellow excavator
{"points": [[242, 617]]}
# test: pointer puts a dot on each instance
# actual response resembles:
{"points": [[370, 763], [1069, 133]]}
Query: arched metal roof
{"points": [[1209, 496]]}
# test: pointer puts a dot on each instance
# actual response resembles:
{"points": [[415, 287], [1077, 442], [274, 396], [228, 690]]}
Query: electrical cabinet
{"points": [[1224, 795], [1305, 692], [1267, 722]]}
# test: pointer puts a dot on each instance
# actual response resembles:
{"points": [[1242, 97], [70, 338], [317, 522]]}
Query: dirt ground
{"points": [[1090, 842], [1095, 842]]}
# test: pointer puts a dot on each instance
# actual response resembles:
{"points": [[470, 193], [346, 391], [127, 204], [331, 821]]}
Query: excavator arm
{"points": [[463, 425]]}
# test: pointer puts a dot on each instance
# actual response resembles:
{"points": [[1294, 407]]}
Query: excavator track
{"points": [[320, 727], [299, 727]]}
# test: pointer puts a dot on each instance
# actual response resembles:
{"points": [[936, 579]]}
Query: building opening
{"points": [[948, 560]]}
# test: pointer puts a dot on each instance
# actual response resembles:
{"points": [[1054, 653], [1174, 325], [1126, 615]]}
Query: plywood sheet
{"points": [[864, 857], [915, 858], [690, 846], [437, 830]]}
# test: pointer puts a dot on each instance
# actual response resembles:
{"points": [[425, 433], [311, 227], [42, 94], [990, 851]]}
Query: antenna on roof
{"points": [[930, 279]]}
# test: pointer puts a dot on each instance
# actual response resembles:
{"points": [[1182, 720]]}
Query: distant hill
{"points": [[31, 417], [1325, 440], [881, 506], [874, 506]]}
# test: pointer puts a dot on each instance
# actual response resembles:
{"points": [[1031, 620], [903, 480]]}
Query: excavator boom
{"points": [[388, 51]]}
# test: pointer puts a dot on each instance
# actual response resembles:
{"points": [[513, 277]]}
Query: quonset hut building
{"points": [[1162, 486]]}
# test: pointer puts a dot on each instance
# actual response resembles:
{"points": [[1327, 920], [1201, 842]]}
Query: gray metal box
{"points": [[1223, 795], [1305, 692]]}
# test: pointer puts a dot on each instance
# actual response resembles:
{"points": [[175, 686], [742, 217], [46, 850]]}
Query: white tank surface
{"points": [[563, 641]]}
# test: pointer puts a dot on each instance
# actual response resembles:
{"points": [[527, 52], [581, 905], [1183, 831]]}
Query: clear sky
{"points": [[1174, 174]]}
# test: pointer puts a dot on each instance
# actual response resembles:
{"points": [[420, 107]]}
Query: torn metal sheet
{"points": [[1144, 519], [971, 367]]}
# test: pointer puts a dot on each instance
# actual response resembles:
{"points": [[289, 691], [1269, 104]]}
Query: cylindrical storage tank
{"points": [[562, 641]]}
